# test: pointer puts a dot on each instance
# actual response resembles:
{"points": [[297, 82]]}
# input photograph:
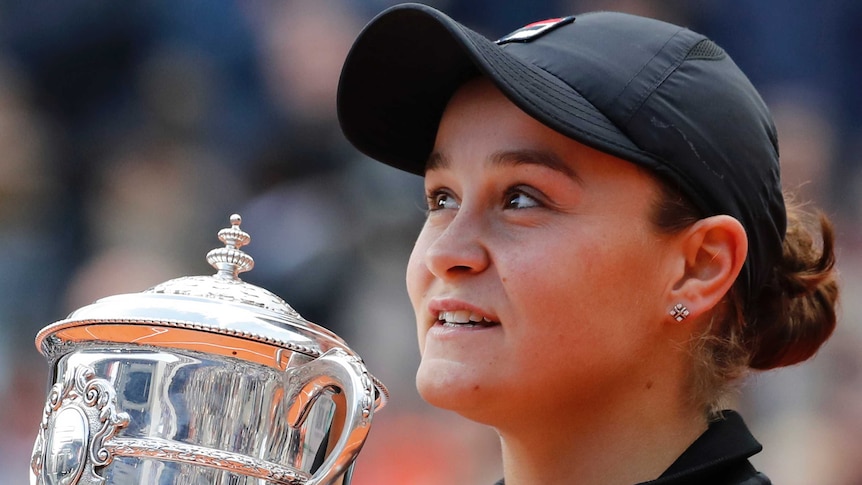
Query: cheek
{"points": [[586, 288], [418, 279], [417, 276], [556, 283]]}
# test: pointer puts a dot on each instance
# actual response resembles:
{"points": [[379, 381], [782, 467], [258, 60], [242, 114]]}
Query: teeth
{"points": [[461, 317]]}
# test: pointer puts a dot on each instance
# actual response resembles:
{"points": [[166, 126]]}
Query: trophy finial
{"points": [[230, 260]]}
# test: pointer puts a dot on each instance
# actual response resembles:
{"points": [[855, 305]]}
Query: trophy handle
{"points": [[342, 373]]}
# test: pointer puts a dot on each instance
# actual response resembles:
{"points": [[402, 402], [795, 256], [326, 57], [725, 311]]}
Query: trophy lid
{"points": [[218, 314]]}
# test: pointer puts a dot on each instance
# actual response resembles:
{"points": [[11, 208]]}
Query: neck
{"points": [[623, 445]]}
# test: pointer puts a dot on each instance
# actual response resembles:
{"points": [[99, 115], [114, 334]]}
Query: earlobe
{"points": [[714, 250], [679, 312]]}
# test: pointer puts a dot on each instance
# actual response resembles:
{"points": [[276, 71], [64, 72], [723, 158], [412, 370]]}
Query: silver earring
{"points": [[679, 312]]}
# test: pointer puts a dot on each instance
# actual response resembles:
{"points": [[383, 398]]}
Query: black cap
{"points": [[647, 91]]}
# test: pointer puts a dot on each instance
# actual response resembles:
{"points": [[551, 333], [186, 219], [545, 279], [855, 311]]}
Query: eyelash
{"points": [[435, 198], [514, 192]]}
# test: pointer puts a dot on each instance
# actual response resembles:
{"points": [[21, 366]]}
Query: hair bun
{"points": [[801, 314]]}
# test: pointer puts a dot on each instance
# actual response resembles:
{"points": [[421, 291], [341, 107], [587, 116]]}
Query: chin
{"points": [[448, 386]]}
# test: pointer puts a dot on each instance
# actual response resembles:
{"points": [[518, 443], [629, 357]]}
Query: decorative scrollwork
{"points": [[203, 456], [368, 388], [80, 415]]}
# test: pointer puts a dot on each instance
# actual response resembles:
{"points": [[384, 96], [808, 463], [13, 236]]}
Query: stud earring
{"points": [[679, 312]]}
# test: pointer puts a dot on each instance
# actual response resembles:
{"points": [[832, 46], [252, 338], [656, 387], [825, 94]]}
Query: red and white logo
{"points": [[530, 32]]}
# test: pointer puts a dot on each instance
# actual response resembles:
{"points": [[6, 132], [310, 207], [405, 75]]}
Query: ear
{"points": [[713, 252]]}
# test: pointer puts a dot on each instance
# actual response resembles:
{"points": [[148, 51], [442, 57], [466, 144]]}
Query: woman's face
{"points": [[537, 279]]}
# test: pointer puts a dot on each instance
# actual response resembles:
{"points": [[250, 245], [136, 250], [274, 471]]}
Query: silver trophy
{"points": [[201, 380]]}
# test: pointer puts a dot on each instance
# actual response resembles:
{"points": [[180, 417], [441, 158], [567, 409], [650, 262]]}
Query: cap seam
{"points": [[500, 55], [599, 137], [557, 95], [537, 91], [654, 86]]}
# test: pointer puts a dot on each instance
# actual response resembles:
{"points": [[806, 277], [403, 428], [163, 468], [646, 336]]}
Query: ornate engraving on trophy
{"points": [[80, 416]]}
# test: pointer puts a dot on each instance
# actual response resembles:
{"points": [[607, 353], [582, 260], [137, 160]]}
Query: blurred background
{"points": [[130, 131]]}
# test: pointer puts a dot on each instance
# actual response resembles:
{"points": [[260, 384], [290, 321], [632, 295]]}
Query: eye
{"points": [[518, 199], [441, 199]]}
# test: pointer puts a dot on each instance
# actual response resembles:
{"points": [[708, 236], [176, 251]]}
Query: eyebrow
{"points": [[513, 157]]}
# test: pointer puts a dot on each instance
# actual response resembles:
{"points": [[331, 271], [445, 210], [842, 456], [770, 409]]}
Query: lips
{"points": [[464, 318]]}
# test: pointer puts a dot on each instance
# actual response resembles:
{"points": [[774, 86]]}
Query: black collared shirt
{"points": [[718, 457]]}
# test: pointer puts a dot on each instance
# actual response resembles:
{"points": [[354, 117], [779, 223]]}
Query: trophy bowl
{"points": [[201, 380]]}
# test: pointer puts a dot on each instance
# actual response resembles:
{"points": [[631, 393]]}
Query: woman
{"points": [[607, 249]]}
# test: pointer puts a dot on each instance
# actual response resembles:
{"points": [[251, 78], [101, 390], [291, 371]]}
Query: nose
{"points": [[459, 249]]}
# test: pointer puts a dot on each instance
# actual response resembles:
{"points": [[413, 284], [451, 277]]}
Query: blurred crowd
{"points": [[130, 131]]}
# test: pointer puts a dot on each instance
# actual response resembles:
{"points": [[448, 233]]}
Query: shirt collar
{"points": [[726, 441]]}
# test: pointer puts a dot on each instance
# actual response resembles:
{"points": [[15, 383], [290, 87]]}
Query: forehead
{"points": [[480, 122], [481, 115]]}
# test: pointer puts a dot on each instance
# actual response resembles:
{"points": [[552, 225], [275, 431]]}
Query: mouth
{"points": [[464, 319]]}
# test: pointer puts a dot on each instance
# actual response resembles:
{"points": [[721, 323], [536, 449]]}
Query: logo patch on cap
{"points": [[534, 30]]}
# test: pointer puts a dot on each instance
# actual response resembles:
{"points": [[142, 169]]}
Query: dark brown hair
{"points": [[788, 320]]}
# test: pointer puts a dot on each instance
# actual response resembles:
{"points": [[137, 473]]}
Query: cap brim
{"points": [[407, 63]]}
